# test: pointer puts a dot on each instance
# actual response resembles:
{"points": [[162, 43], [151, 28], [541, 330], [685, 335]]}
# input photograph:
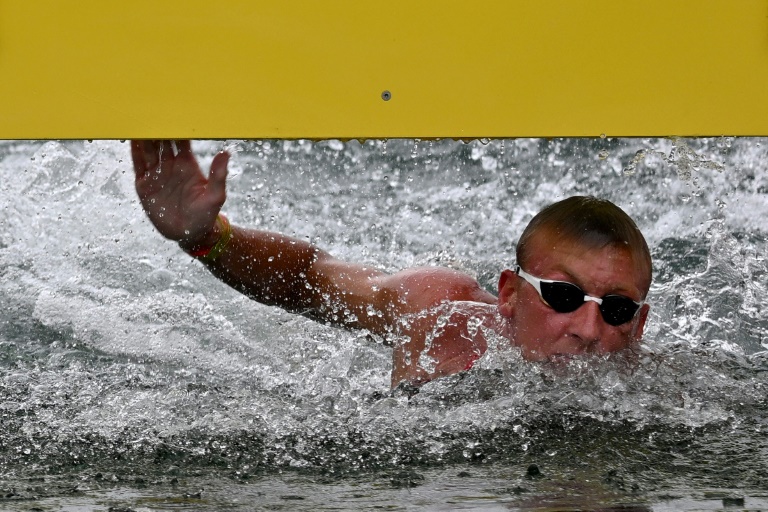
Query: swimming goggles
{"points": [[566, 297]]}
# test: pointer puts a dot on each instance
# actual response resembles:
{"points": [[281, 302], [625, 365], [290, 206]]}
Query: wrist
{"points": [[206, 241], [212, 245]]}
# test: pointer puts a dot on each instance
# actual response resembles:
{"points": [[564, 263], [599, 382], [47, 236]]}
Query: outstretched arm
{"points": [[278, 270], [272, 268]]}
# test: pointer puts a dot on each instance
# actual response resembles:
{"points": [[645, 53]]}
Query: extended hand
{"points": [[179, 200]]}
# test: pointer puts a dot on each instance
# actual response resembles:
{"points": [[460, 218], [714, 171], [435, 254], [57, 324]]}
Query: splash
{"points": [[681, 157], [118, 351]]}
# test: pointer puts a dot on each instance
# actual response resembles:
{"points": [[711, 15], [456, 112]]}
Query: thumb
{"points": [[217, 178]]}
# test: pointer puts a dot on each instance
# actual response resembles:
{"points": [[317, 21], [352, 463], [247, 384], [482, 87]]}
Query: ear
{"points": [[642, 316], [508, 283]]}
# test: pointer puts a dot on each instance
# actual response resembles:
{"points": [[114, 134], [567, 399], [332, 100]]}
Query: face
{"points": [[541, 332]]}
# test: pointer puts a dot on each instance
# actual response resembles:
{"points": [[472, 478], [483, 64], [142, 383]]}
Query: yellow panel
{"points": [[317, 69]]}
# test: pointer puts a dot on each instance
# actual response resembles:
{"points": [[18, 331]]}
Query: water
{"points": [[132, 379]]}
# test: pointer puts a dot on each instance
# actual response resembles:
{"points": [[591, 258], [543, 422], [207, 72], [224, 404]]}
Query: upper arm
{"points": [[362, 297], [343, 293]]}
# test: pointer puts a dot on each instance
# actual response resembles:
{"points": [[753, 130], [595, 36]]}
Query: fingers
{"points": [[183, 147], [217, 178], [152, 150], [146, 155], [137, 155], [170, 162], [167, 155]]}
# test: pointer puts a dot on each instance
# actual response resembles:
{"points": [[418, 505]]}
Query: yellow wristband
{"points": [[221, 245], [210, 254]]}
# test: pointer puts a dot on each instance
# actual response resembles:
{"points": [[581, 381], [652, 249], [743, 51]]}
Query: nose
{"points": [[587, 325]]}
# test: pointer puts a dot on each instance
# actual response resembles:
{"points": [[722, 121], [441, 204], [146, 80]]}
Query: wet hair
{"points": [[592, 223]]}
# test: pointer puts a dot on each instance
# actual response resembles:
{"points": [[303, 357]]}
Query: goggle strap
{"points": [[593, 299]]}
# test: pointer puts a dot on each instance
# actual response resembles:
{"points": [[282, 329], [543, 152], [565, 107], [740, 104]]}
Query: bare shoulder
{"points": [[419, 288]]}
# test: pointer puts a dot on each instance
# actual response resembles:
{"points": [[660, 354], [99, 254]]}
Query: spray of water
{"points": [[117, 350]]}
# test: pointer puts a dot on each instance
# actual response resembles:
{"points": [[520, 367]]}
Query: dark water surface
{"points": [[132, 379]]}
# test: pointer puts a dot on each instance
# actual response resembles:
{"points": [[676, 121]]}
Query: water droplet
{"points": [[415, 150], [629, 170], [489, 163], [603, 154]]}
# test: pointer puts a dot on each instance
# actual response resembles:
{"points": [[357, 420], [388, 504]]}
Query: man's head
{"points": [[592, 223], [596, 246]]}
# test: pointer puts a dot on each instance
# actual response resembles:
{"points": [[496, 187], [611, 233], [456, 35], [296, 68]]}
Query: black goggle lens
{"points": [[618, 310], [562, 297]]}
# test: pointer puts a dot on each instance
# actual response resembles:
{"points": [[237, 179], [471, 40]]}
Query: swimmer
{"points": [[578, 287]]}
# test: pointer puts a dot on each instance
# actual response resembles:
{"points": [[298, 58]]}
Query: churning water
{"points": [[131, 379]]}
